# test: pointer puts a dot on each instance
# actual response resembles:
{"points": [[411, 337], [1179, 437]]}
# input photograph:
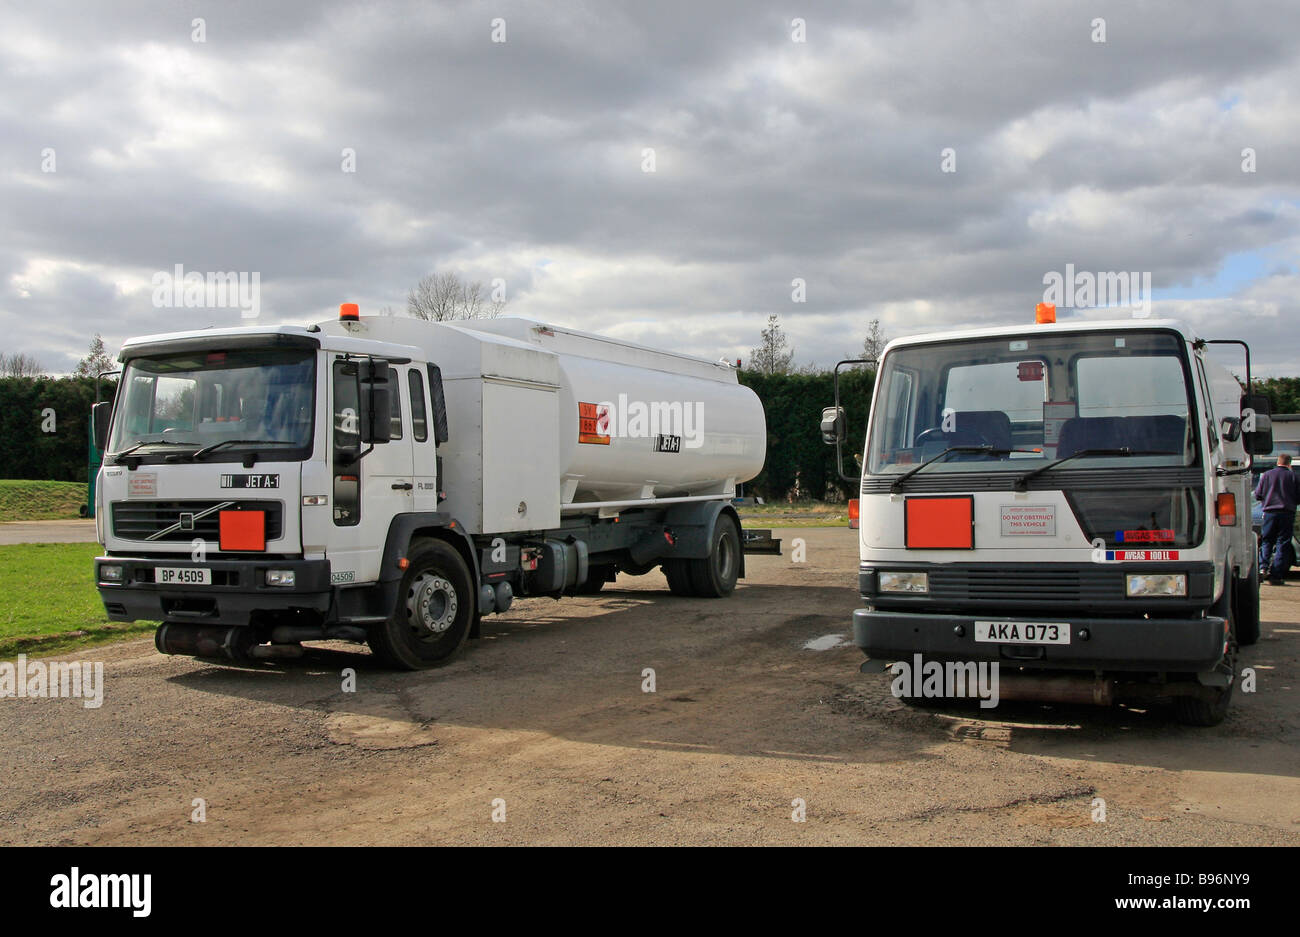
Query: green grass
{"points": [[796, 514], [22, 500], [48, 600]]}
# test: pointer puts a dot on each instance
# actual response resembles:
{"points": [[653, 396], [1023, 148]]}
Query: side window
{"points": [[395, 395], [346, 430], [1212, 425], [899, 410], [419, 420]]}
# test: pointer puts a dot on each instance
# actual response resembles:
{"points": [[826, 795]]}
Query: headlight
{"points": [[110, 573], [903, 582], [1156, 584], [279, 577]]}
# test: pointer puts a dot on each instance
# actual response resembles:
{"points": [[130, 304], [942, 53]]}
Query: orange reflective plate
{"points": [[939, 523], [243, 530]]}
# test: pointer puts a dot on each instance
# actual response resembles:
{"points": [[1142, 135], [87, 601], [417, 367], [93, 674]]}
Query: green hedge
{"points": [[26, 449], [793, 404], [1283, 393]]}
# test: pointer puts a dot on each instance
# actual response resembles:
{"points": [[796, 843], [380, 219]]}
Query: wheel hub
{"points": [[431, 604]]}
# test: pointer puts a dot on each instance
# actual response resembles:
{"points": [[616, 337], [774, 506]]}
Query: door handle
{"points": [[402, 486]]}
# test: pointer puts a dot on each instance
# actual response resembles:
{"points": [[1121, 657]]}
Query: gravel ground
{"points": [[546, 717]]}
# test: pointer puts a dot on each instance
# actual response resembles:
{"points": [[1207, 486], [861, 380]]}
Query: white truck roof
{"points": [[1031, 328]]}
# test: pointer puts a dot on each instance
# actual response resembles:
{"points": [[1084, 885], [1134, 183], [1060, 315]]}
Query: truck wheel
{"points": [[1246, 612], [679, 577], [595, 581], [1195, 711], [435, 609], [1199, 711], [715, 576]]}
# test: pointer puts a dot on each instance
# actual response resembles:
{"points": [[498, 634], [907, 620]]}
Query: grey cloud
{"points": [[775, 160]]}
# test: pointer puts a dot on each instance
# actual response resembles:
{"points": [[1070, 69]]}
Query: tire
{"points": [[1197, 711], [595, 580], [678, 575], [1194, 711], [1246, 610], [715, 576], [434, 613]]}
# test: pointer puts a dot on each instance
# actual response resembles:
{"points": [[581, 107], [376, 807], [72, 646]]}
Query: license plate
{"points": [[1022, 632], [183, 575]]}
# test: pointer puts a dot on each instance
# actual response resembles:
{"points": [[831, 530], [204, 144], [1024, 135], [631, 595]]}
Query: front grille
{"points": [[141, 520], [1025, 583]]}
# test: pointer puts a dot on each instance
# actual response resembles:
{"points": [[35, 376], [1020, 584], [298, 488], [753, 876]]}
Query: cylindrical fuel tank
{"points": [[624, 428], [638, 422], [544, 418]]}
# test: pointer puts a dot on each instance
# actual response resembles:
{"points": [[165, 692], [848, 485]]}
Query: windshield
{"points": [[243, 399], [1030, 400]]}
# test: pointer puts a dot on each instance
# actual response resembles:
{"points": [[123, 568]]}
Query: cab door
{"points": [[371, 486], [423, 443]]}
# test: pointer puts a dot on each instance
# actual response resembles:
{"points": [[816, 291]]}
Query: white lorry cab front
{"points": [[392, 480], [1069, 502]]}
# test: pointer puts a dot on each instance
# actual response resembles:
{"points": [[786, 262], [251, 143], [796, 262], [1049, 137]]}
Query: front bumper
{"points": [[237, 592], [1125, 644]]}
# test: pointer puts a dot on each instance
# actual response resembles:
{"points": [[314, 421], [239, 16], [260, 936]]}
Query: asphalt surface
{"points": [[78, 531]]}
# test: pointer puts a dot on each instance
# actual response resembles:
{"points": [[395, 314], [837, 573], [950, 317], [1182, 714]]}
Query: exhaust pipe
{"points": [[212, 641], [1057, 689]]}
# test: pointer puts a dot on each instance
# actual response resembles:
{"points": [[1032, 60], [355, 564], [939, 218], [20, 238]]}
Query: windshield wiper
{"points": [[1022, 483], [117, 456], [897, 486], [206, 450]]}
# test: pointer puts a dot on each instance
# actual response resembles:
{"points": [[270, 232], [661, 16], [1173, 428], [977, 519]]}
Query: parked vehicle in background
{"points": [[1068, 501]]}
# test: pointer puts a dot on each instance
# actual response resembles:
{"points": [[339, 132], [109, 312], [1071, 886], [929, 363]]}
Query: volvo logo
{"points": [[187, 522]]}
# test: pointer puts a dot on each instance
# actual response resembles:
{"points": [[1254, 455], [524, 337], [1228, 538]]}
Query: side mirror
{"points": [[833, 426], [100, 415], [1230, 429], [376, 408], [1256, 424]]}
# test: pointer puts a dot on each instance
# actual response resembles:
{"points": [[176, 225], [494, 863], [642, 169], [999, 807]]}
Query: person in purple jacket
{"points": [[1277, 492]]}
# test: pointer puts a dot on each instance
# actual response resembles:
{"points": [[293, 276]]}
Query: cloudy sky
{"points": [[792, 140]]}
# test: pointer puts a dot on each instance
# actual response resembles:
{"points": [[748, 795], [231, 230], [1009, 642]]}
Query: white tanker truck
{"points": [[392, 480]]}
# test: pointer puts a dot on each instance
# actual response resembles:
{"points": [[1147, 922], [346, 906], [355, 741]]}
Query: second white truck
{"points": [[392, 480], [1068, 502]]}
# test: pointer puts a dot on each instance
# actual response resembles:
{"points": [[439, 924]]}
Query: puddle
{"points": [[827, 642]]}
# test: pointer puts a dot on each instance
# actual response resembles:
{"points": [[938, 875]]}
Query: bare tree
{"points": [[96, 362], [875, 342], [20, 365], [440, 297], [771, 356]]}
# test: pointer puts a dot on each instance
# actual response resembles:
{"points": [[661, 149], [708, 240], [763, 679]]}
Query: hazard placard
{"points": [[593, 424]]}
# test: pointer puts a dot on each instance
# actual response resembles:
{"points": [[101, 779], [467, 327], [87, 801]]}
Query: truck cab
{"points": [[239, 457], [1067, 501]]}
